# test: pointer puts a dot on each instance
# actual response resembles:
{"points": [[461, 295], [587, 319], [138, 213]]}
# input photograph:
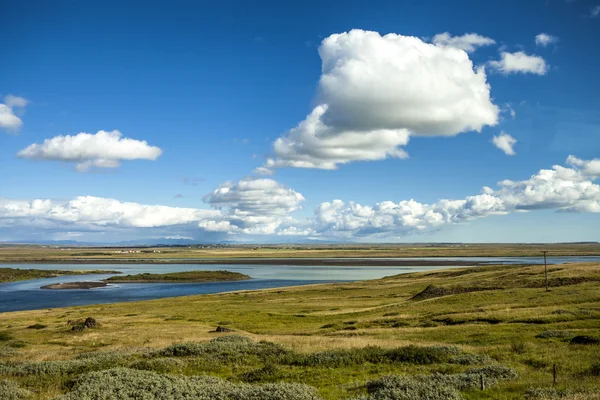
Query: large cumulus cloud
{"points": [[375, 91]]}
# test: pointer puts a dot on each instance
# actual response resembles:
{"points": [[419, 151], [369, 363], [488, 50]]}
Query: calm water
{"points": [[27, 295]]}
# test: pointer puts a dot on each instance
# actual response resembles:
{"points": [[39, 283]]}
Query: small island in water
{"points": [[17, 274], [174, 277], [187, 276]]}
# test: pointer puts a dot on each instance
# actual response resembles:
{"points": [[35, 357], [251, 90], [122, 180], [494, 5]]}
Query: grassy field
{"points": [[187, 276], [22, 254], [495, 323], [13, 274]]}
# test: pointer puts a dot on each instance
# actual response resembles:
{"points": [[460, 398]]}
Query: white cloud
{"points": [[510, 110], [375, 91], [263, 171], [15, 101], [101, 150], [468, 42], [590, 168], [519, 62], [9, 121], [595, 11], [313, 144], [505, 142], [263, 207], [98, 211], [544, 39], [561, 189], [253, 205]]}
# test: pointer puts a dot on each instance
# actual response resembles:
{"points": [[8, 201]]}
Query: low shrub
{"points": [[406, 388], [64, 367], [126, 384], [518, 347], [9, 390], [5, 337], [228, 349], [554, 393], [162, 365], [554, 334], [268, 373], [436, 386], [346, 357]]}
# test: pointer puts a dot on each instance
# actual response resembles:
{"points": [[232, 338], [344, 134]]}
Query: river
{"points": [[27, 295]]}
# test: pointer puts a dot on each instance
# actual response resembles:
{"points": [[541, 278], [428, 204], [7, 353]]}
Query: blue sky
{"points": [[214, 84]]}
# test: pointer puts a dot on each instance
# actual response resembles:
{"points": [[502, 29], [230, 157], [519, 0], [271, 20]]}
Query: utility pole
{"points": [[546, 270]]}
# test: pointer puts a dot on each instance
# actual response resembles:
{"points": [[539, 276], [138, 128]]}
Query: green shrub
{"points": [[5, 337], [436, 386], [268, 373], [64, 367], [9, 390], [553, 393], [406, 388], [554, 334], [232, 349], [126, 384], [518, 347], [161, 365]]}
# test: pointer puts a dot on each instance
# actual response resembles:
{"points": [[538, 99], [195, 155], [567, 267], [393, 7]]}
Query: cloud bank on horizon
{"points": [[258, 206]]}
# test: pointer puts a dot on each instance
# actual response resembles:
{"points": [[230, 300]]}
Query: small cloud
{"points": [[519, 62], [595, 12], [544, 39], [15, 101], [510, 110], [505, 142], [191, 181], [468, 42], [10, 111], [259, 39], [178, 196], [263, 171]]}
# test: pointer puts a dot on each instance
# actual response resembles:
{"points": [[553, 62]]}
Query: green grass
{"points": [[188, 276], [13, 274], [301, 335]]}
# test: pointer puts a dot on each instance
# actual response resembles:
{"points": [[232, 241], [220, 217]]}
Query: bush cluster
{"points": [[554, 334], [376, 355], [64, 367], [436, 386], [554, 393], [125, 384], [9, 390], [231, 349]]}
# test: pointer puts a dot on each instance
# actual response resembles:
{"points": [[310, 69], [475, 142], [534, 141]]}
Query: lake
{"points": [[27, 295]]}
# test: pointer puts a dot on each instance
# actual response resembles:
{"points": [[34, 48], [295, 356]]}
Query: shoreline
{"points": [[353, 262]]}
